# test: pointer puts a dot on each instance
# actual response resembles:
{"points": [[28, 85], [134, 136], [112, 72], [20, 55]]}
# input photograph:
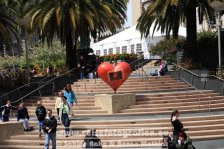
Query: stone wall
{"points": [[9, 129]]}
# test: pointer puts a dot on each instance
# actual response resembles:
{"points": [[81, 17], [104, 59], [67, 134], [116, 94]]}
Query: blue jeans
{"points": [[5, 118], [66, 122], [40, 125], [48, 137]]}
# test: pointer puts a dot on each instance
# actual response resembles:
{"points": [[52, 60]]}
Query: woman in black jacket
{"points": [[177, 125], [23, 116]]}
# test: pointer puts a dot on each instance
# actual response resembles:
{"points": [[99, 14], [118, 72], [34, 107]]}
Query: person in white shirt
{"points": [[58, 102]]}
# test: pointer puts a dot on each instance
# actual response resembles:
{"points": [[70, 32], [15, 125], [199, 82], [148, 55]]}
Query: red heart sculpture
{"points": [[114, 76]]}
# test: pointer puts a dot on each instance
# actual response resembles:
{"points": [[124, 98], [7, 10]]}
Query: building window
{"points": [[152, 46], [133, 48], [118, 50], [124, 49], [98, 52], [105, 52], [139, 48], [110, 51]]}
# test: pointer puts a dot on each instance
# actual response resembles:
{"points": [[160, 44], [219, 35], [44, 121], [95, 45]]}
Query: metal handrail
{"points": [[191, 84], [148, 84], [34, 92], [208, 76], [46, 83], [20, 88]]}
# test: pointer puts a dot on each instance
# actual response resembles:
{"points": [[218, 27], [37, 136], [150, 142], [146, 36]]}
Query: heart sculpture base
{"points": [[115, 102], [114, 76]]}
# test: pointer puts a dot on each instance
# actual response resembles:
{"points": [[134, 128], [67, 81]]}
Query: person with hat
{"points": [[91, 140], [184, 141]]}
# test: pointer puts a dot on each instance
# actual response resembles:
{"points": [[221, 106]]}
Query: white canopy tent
{"points": [[130, 41]]}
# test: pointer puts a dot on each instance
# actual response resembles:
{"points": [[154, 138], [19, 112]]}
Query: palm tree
{"points": [[8, 27], [167, 15], [72, 20]]}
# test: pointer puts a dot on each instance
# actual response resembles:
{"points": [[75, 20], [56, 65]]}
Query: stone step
{"points": [[76, 112], [157, 101], [140, 87], [185, 102], [52, 104], [125, 84], [129, 130], [173, 96], [78, 143], [182, 107], [133, 78], [83, 101], [74, 107], [165, 89]]}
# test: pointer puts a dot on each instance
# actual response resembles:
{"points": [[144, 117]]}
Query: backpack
{"points": [[92, 142]]}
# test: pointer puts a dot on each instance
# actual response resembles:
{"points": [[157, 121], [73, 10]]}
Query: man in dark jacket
{"points": [[91, 140], [41, 114], [6, 109], [50, 128]]}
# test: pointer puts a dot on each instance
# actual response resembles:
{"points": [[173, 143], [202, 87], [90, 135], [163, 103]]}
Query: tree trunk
{"points": [[71, 59], [191, 25]]}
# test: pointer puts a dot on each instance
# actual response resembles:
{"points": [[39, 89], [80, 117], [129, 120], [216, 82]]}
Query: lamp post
{"points": [[24, 46], [218, 6]]}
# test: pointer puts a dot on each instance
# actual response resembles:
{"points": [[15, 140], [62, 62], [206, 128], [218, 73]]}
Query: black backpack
{"points": [[92, 142]]}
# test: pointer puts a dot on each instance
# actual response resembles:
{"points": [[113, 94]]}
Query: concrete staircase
{"points": [[132, 85], [155, 97], [124, 133]]}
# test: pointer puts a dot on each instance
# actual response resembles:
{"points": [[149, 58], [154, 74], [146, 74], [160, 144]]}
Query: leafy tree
{"points": [[8, 25], [167, 48], [167, 15], [73, 20], [43, 55]]}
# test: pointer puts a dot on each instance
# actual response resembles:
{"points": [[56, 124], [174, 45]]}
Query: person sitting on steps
{"points": [[91, 140], [23, 117]]}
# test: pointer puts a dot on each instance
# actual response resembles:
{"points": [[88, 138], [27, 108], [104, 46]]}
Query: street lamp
{"points": [[218, 6]]}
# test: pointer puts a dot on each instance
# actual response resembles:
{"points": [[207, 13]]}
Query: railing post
{"points": [[19, 93], [205, 84], [139, 71], [223, 88], [69, 77], [178, 78], [142, 74], [77, 88], [85, 84], [210, 102], [53, 88], [192, 80], [39, 90]]}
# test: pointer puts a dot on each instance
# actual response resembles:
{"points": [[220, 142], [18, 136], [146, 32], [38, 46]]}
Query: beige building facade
{"points": [[136, 9]]}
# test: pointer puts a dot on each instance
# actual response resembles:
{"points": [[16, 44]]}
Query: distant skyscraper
{"points": [[135, 11]]}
